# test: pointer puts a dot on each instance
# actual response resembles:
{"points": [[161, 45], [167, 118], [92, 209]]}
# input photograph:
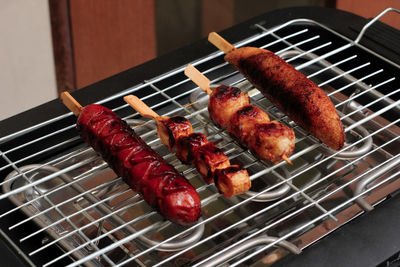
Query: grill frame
{"points": [[123, 93]]}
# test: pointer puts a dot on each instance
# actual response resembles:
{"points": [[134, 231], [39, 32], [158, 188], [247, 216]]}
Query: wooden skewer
{"points": [[71, 103], [146, 111], [220, 42], [141, 107], [285, 158], [198, 78]]}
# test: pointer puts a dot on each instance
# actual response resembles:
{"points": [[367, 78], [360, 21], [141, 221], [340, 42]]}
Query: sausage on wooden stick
{"points": [[293, 93], [130, 157], [230, 109], [177, 134]]}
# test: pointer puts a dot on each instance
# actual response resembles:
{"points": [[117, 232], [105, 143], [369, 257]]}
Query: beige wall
{"points": [[27, 76]]}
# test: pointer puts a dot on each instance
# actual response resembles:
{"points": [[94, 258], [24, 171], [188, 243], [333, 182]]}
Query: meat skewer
{"points": [[230, 109], [177, 134], [130, 157], [293, 93]]}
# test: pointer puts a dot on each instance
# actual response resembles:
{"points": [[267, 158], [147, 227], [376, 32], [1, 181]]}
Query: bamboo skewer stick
{"points": [[146, 111], [285, 158], [71, 103], [220, 42], [141, 107], [198, 78]]}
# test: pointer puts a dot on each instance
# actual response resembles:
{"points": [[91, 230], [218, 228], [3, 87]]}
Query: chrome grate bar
{"points": [[82, 228], [90, 191], [83, 176], [344, 74], [315, 220], [60, 212]]}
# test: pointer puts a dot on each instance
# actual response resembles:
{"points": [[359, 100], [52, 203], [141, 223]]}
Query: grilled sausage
{"points": [[140, 167], [293, 93]]}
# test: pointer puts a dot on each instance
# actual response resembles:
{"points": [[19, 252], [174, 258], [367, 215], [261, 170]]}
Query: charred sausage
{"points": [[141, 168]]}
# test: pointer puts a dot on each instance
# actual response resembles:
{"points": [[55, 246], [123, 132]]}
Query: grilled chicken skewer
{"points": [[177, 134], [130, 157], [293, 93], [230, 109]]}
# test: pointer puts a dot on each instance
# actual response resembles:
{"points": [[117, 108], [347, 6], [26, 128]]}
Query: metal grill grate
{"points": [[80, 206]]}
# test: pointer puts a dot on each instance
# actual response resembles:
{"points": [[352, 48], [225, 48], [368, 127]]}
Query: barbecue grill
{"points": [[62, 205]]}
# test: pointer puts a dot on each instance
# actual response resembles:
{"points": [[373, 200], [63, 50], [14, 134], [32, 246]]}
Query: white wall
{"points": [[27, 74]]}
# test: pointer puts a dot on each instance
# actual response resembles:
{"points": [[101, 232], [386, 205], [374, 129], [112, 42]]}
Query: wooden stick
{"points": [[141, 107], [198, 78], [285, 158], [71, 103], [220, 42]]}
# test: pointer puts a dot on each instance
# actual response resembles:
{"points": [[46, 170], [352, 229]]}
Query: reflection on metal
{"points": [[180, 243], [363, 183], [250, 244]]}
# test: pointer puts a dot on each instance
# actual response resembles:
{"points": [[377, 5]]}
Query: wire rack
{"points": [[71, 209]]}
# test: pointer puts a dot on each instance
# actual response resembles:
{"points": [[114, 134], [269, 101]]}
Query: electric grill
{"points": [[62, 205]]}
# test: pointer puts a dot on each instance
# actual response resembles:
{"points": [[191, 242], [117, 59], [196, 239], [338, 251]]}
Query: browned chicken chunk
{"points": [[271, 141], [209, 158], [177, 134], [224, 102], [230, 109], [187, 146], [171, 129], [244, 120], [232, 181]]}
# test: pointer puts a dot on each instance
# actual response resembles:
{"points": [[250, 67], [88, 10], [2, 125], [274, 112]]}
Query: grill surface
{"points": [[70, 208]]}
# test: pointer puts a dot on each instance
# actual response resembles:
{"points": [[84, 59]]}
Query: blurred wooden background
{"points": [[371, 8], [95, 39]]}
